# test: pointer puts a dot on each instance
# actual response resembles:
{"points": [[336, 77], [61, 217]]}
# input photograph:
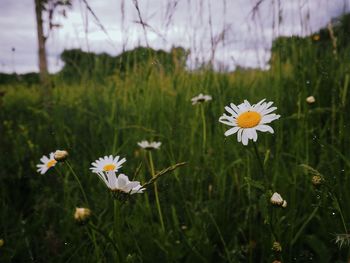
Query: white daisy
{"points": [[200, 99], [47, 163], [149, 145], [246, 119], [121, 183], [107, 164]]}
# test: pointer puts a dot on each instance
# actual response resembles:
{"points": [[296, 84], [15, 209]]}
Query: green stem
{"points": [[261, 165], [96, 229], [116, 225], [78, 181], [204, 127], [156, 191]]}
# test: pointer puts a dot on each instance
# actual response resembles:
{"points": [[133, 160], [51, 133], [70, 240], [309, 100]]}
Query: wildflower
{"points": [[47, 163], [149, 145], [121, 183], [246, 119], [107, 164], [276, 246], [82, 214], [200, 99], [310, 99], [60, 155], [2, 242], [316, 180], [276, 199]]}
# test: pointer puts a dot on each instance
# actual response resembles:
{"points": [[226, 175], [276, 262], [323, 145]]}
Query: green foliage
{"points": [[86, 65], [216, 208]]}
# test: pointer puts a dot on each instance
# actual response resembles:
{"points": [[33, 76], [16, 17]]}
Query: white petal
{"points": [[231, 131], [264, 128], [229, 122], [255, 135], [245, 137], [239, 135], [269, 110], [112, 180], [122, 181]]}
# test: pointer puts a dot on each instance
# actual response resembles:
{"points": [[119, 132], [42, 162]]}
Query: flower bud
{"points": [[284, 204], [316, 180], [60, 156], [276, 246], [276, 199], [2, 242], [82, 214], [310, 99]]}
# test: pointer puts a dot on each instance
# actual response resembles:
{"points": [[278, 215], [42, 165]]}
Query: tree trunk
{"points": [[41, 44]]}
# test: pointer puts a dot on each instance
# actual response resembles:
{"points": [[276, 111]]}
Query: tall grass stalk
{"points": [[155, 185]]}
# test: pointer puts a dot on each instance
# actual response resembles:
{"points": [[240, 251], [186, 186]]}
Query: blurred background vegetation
{"points": [[214, 208]]}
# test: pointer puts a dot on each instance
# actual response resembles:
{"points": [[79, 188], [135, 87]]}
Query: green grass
{"points": [[215, 208]]}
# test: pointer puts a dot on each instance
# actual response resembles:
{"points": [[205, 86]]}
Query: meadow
{"points": [[216, 207]]}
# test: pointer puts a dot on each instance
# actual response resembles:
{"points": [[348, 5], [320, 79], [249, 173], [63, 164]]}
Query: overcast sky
{"points": [[241, 34]]}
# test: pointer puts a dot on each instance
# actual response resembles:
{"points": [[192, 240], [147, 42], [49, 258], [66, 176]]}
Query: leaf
{"points": [[254, 183]]}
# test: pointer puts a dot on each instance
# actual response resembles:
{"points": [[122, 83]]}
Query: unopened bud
{"points": [[276, 246], [316, 180], [310, 99], [276, 199], [82, 214], [284, 204], [60, 156]]}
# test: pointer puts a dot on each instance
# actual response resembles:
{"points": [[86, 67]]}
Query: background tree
{"points": [[47, 8]]}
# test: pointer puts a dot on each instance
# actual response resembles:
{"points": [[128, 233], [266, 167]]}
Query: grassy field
{"points": [[216, 208]]}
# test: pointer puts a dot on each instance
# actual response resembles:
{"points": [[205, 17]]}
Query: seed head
{"points": [[60, 156]]}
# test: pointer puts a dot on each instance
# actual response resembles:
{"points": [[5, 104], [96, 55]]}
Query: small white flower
{"points": [[200, 99], [246, 119], [47, 163], [121, 183], [107, 164], [149, 145], [310, 99], [276, 199]]}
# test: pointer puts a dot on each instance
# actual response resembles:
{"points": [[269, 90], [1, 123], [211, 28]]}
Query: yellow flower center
{"points": [[108, 167], [248, 119], [51, 163]]}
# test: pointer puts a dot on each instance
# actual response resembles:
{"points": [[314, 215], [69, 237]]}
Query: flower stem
{"points": [[204, 127], [261, 165], [156, 191], [78, 181]]}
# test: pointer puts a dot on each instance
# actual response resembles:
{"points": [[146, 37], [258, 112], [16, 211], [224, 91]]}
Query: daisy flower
{"points": [[149, 145], [47, 163], [121, 183], [200, 99], [246, 119], [107, 164]]}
